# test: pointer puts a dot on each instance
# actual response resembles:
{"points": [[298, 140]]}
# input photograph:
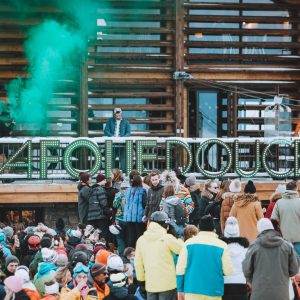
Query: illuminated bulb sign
{"points": [[91, 150]]}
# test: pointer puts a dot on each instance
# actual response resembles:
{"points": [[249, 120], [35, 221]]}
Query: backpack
{"points": [[180, 214]]}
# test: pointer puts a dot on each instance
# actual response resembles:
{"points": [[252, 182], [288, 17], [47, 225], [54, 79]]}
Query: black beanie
{"points": [[250, 188], [206, 223], [79, 256], [45, 242]]}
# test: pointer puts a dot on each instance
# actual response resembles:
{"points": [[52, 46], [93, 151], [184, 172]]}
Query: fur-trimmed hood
{"points": [[241, 200]]}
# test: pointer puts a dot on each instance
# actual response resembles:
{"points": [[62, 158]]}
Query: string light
{"points": [[129, 151], [140, 157], [208, 173], [81, 144], [241, 172], [296, 159], [108, 158], [44, 158], [9, 163], [270, 171], [168, 154]]}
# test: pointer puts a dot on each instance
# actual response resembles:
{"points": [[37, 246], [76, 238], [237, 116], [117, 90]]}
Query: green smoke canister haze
{"points": [[49, 50], [54, 51]]}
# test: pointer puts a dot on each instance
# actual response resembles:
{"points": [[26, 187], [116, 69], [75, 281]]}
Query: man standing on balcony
{"points": [[118, 127]]}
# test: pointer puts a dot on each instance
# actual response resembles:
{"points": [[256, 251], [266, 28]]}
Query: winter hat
{"points": [[250, 188], [80, 268], [117, 110], [102, 243], [79, 256], [235, 186], [2, 237], [232, 228], [76, 234], [51, 288], [100, 177], [23, 272], [51, 232], [30, 230], [34, 242], [98, 248], [118, 280], [46, 242], [97, 269], [102, 256], [11, 259], [191, 180], [264, 224], [44, 269], [206, 223], [48, 255], [62, 260], [115, 263], [14, 283], [169, 177], [8, 231], [281, 188]]}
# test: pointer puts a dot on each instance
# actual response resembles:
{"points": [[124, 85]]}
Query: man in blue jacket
{"points": [[118, 127]]}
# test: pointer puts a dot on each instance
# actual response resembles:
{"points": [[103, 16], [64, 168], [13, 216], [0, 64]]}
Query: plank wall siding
{"points": [[145, 42]]}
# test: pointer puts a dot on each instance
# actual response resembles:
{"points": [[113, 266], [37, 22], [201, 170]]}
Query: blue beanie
{"points": [[45, 268]]}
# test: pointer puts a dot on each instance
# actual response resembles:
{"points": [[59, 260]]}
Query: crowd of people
{"points": [[159, 237]]}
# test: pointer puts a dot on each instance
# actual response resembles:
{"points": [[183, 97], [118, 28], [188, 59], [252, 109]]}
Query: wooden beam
{"points": [[256, 45], [179, 66], [240, 6], [244, 31], [67, 193], [133, 94], [237, 19], [138, 107], [228, 58]]}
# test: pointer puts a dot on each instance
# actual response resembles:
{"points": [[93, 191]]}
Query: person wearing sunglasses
{"points": [[78, 288], [99, 275]]}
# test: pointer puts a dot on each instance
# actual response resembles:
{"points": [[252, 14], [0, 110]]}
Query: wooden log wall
{"points": [[131, 61], [66, 193]]}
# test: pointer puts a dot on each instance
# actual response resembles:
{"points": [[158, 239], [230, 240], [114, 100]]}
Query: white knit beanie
{"points": [[264, 224], [52, 289], [235, 186], [232, 228], [49, 255]]}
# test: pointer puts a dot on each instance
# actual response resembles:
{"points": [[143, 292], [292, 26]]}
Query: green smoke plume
{"points": [[54, 51]]}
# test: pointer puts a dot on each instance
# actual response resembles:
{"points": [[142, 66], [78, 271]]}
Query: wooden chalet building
{"points": [[186, 68]]}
